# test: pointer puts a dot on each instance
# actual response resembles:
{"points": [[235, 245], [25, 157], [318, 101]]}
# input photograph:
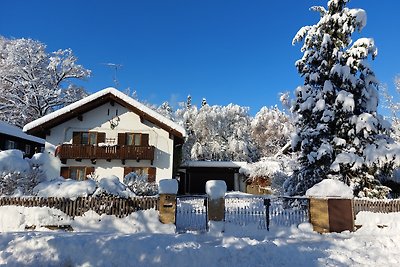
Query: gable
{"points": [[43, 125]]}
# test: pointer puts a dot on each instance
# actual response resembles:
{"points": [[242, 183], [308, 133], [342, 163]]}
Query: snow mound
{"points": [[168, 186], [15, 218], [13, 161], [67, 188], [216, 189], [330, 188]]}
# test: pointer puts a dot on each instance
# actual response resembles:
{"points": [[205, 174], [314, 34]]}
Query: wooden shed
{"points": [[193, 175]]}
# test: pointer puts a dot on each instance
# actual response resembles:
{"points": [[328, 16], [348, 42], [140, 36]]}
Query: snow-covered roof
{"points": [[214, 164], [118, 95], [12, 130]]}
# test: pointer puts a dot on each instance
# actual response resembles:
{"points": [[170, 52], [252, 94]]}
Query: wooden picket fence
{"points": [[376, 205], [119, 207]]}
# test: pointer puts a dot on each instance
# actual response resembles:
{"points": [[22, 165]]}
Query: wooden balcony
{"points": [[79, 152]]}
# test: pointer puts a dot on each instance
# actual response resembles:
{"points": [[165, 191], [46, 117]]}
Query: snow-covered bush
{"points": [[18, 176], [111, 186], [139, 185], [269, 173], [60, 187]]}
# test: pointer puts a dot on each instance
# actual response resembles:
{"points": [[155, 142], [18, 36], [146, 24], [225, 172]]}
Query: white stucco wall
{"points": [[98, 120]]}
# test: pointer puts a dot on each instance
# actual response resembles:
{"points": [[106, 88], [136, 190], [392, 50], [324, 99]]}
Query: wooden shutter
{"points": [[127, 170], [89, 170], [121, 139], [64, 172], [101, 137], [145, 140], [76, 138], [151, 178]]}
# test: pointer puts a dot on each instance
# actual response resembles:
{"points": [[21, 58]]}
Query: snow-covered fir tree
{"points": [[339, 132], [394, 108], [33, 82], [165, 109], [203, 102], [186, 116]]}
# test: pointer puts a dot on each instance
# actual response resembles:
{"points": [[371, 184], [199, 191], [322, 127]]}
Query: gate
{"points": [[287, 211], [244, 211], [191, 213]]}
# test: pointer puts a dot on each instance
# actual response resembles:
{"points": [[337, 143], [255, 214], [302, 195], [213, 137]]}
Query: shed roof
{"points": [[214, 164], [12, 130]]}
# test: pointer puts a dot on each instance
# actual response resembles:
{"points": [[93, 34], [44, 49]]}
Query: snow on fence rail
{"points": [[376, 205], [102, 205]]}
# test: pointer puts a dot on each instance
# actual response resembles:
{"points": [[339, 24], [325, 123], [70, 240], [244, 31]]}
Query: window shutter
{"points": [[89, 170], [101, 137], [64, 172], [121, 139], [127, 170], [76, 138], [151, 178], [145, 140]]}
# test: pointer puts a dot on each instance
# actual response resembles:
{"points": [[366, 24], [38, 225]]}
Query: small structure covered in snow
{"points": [[193, 175], [12, 137], [330, 188], [331, 206]]}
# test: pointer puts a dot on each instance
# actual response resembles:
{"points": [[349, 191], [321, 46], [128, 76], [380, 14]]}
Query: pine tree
{"points": [[339, 132]]}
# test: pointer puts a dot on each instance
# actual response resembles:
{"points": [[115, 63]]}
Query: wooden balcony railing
{"points": [[71, 151]]}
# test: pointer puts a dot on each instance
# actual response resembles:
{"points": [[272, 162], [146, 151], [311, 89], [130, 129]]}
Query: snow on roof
{"points": [[12, 130], [214, 164], [92, 97]]}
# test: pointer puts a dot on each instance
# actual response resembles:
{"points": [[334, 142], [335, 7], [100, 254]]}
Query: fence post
{"points": [[331, 214], [216, 190], [267, 204], [168, 188]]}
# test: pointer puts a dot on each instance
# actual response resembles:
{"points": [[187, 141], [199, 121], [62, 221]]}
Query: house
{"points": [[193, 175], [12, 137], [109, 133]]}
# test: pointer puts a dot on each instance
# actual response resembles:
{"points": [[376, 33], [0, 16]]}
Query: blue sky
{"points": [[226, 51]]}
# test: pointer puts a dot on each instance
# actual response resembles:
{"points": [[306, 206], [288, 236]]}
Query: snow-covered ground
{"points": [[140, 240]]}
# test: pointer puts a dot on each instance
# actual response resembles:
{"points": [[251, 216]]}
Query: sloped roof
{"points": [[41, 125], [12, 130]]}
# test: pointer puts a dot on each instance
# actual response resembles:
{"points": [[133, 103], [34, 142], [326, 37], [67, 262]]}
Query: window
{"points": [[10, 144], [137, 139], [77, 173], [27, 149], [89, 138]]}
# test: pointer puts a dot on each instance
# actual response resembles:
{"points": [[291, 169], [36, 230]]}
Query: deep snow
{"points": [[140, 240]]}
